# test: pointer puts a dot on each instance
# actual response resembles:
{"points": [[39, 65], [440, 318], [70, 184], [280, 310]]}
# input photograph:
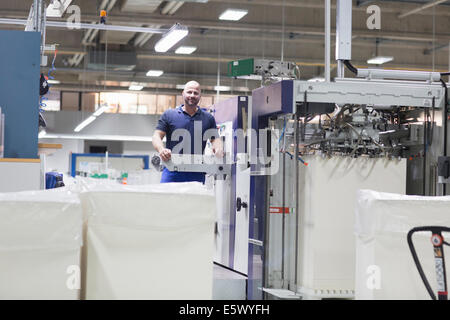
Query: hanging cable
{"points": [[350, 67]]}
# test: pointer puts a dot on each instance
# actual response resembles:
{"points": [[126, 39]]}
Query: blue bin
{"points": [[53, 180]]}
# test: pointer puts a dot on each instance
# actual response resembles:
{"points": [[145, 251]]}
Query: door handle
{"points": [[240, 204]]}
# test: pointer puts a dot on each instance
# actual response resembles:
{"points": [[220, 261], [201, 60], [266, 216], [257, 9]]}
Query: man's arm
{"points": [[158, 144]]}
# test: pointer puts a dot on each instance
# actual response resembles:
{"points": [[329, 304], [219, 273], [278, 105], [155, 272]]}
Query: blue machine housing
{"points": [[19, 92]]}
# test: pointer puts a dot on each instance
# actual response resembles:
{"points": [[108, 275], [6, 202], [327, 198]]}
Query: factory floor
{"points": [[228, 285]]}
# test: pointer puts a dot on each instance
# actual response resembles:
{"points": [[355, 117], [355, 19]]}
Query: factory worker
{"points": [[187, 129]]}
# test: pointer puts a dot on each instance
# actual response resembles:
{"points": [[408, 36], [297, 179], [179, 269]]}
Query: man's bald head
{"points": [[191, 94], [192, 85]]}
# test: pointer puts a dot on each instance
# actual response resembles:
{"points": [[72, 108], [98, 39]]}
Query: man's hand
{"points": [[217, 148], [165, 154], [218, 152]]}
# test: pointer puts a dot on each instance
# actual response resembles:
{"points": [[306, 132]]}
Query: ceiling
{"points": [[292, 30]]}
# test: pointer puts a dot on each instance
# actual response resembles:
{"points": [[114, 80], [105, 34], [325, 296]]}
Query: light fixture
{"points": [[42, 133], [185, 50], [134, 86], [380, 60], [169, 39], [377, 59], [100, 110], [222, 88], [57, 8], [154, 73], [233, 14], [84, 124], [317, 79], [50, 81]]}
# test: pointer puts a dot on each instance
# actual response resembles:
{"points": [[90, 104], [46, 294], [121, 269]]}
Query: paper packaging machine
{"points": [[384, 124], [394, 128]]}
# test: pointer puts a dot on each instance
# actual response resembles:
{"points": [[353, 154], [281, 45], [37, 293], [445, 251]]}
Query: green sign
{"points": [[240, 68]]}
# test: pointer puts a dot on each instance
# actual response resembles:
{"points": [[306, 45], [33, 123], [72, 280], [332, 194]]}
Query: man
{"points": [[195, 122]]}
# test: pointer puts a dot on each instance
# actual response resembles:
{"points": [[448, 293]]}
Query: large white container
{"points": [[384, 265], [149, 242], [40, 241], [327, 196]]}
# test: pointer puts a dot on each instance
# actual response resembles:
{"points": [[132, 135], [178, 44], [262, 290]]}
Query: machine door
{"points": [[242, 219]]}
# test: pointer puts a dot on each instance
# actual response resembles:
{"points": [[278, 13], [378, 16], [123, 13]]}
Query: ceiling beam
{"points": [[262, 28], [421, 8]]}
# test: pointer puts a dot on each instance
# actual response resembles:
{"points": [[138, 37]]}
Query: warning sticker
{"points": [[285, 210], [440, 274]]}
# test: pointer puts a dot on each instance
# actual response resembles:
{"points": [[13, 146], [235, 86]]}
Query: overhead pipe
{"points": [[421, 8], [327, 39]]}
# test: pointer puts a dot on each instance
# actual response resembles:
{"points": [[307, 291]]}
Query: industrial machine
{"points": [[386, 127]]}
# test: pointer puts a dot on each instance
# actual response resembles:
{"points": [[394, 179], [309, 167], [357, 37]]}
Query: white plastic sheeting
{"points": [[149, 242], [327, 196], [40, 240], [384, 265]]}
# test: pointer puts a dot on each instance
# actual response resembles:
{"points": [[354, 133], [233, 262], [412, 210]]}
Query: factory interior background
{"points": [[333, 120]]}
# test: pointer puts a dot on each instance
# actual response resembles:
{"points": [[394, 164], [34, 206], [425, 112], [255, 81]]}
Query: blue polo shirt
{"points": [[186, 134]]}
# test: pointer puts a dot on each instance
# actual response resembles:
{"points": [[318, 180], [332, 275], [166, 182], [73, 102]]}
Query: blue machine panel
{"points": [[19, 91], [274, 99]]}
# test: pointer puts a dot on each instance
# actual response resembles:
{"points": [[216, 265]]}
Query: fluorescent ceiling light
{"points": [[250, 77], [317, 79], [185, 50], [50, 81], [380, 60], [100, 111], [173, 36], [233, 14], [134, 86], [57, 8], [154, 73], [42, 133], [222, 88], [84, 124]]}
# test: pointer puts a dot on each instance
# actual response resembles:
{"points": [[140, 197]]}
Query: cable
{"points": [[417, 262], [444, 186], [300, 159], [282, 132], [53, 66], [350, 66]]}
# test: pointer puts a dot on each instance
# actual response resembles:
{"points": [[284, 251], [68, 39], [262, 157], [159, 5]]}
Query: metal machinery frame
{"points": [[373, 118], [367, 116]]}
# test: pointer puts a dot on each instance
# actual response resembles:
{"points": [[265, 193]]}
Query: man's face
{"points": [[191, 96]]}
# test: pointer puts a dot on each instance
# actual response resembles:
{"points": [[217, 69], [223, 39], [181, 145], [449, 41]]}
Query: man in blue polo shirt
{"points": [[183, 127]]}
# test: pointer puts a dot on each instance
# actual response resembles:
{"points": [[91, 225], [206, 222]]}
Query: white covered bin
{"points": [[327, 194], [385, 268], [149, 242], [40, 243]]}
